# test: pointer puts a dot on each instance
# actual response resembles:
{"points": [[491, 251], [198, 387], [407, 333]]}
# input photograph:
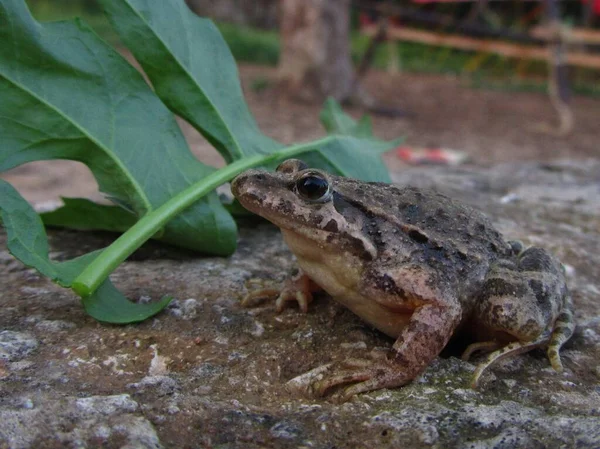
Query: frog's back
{"points": [[426, 228]]}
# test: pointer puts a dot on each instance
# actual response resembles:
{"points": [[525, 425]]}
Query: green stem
{"points": [[97, 271]]}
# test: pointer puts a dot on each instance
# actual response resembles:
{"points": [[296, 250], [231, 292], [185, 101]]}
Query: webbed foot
{"points": [[298, 288], [348, 378]]}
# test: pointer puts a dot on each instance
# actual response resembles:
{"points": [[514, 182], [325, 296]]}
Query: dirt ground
{"points": [[490, 126]]}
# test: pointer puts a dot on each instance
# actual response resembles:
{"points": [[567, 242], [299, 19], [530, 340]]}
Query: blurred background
{"points": [[464, 81]]}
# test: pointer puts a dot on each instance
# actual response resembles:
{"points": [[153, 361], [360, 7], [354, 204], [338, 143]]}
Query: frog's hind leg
{"points": [[563, 330], [512, 349]]}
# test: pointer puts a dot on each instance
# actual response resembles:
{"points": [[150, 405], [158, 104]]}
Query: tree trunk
{"points": [[315, 58], [256, 13]]}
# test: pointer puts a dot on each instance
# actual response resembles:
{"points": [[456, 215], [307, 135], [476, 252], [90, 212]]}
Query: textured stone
{"points": [[16, 345], [210, 373]]}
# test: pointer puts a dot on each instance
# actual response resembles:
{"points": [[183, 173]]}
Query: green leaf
{"points": [[27, 241], [192, 71], [83, 214], [195, 75], [65, 94], [336, 121], [109, 305], [343, 153], [364, 127]]}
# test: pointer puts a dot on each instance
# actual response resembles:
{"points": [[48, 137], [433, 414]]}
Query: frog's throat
{"points": [[361, 245]]}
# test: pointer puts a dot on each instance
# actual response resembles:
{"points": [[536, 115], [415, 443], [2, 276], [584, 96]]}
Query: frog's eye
{"points": [[313, 187]]}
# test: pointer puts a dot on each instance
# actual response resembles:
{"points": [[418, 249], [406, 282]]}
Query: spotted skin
{"points": [[416, 265], [526, 299]]}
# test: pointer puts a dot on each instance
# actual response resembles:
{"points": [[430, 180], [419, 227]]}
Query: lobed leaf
{"points": [[194, 73], [83, 214], [65, 94], [27, 241], [336, 121]]}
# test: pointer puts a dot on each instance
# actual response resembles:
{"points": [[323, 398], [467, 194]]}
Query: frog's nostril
{"points": [[238, 183], [259, 177]]}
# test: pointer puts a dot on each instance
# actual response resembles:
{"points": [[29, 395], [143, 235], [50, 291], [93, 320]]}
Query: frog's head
{"points": [[305, 201]]}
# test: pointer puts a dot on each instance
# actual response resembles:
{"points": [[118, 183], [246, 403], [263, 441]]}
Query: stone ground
{"points": [[208, 373]]}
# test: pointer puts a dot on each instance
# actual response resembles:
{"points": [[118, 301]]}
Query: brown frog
{"points": [[413, 263]]}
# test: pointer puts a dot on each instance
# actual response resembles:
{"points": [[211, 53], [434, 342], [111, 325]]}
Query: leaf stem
{"points": [[112, 256]]}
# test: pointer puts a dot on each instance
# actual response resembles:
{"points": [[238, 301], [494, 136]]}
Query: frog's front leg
{"points": [[428, 331], [298, 287]]}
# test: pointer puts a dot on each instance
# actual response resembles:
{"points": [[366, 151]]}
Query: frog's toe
{"points": [[346, 394], [299, 288], [486, 346], [320, 381], [303, 298], [257, 297], [510, 350], [305, 383], [373, 376], [323, 387]]}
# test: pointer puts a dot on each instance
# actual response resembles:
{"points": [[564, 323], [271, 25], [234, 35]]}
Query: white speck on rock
{"points": [[284, 430], [258, 330], [173, 409], [591, 336], [102, 432], [569, 270], [107, 405], [16, 345], [510, 198], [21, 365], [190, 308], [303, 335], [464, 394], [34, 291], [221, 340], [494, 416], [115, 361], [27, 404], [355, 345], [53, 326], [164, 385], [158, 364], [145, 299]]}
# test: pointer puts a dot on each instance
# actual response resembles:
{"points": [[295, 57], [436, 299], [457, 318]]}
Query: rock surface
{"points": [[209, 373]]}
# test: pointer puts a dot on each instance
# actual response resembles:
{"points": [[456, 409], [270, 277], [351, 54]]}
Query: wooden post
{"points": [[558, 81]]}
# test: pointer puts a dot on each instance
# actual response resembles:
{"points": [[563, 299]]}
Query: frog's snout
{"points": [[241, 183], [238, 183], [248, 188]]}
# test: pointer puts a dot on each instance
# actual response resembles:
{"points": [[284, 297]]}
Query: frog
{"points": [[413, 263]]}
